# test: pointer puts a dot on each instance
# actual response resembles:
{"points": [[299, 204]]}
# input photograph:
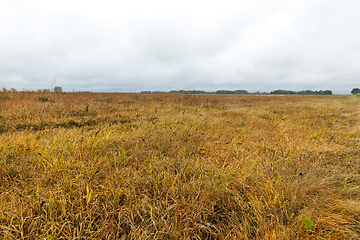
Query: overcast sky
{"points": [[171, 45]]}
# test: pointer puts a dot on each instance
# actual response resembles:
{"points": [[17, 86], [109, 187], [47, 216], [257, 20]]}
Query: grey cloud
{"points": [[311, 45]]}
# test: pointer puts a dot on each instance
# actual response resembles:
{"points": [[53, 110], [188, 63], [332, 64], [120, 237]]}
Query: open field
{"points": [[130, 166]]}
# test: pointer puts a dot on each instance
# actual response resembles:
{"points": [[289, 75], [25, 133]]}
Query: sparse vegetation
{"points": [[169, 166]]}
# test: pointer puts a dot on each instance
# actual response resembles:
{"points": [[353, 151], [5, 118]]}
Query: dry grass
{"points": [[128, 166]]}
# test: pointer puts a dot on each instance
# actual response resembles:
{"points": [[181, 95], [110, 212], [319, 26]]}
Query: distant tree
{"points": [[280, 91], [355, 91], [13, 90], [224, 92], [188, 92], [46, 90], [241, 92], [58, 89], [328, 92]]}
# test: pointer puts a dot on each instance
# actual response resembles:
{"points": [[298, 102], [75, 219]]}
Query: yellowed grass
{"points": [[130, 166]]}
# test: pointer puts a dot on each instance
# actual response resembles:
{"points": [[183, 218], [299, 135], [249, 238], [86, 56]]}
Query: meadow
{"points": [[162, 166]]}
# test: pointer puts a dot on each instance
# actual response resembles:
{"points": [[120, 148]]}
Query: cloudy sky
{"points": [[171, 45]]}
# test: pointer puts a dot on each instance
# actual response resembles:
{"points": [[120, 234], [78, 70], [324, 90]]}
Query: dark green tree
{"points": [[241, 92], [355, 91], [224, 92], [328, 92]]}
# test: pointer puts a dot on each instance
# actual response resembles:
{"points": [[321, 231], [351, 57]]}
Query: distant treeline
{"points": [[304, 92], [199, 92], [58, 89]]}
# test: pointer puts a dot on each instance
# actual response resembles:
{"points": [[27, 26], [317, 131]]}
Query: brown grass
{"points": [[130, 166]]}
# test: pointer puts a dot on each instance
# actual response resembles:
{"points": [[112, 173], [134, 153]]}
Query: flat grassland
{"points": [[131, 166]]}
